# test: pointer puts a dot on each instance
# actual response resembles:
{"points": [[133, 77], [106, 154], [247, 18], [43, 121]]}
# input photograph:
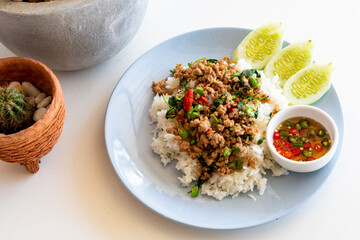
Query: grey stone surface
{"points": [[69, 34]]}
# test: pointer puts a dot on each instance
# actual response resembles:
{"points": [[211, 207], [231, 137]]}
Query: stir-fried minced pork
{"points": [[215, 117]]}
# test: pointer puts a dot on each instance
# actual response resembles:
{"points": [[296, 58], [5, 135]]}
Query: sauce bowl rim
{"points": [[302, 111]]}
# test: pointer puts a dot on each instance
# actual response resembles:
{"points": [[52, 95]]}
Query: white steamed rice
{"points": [[244, 181]]}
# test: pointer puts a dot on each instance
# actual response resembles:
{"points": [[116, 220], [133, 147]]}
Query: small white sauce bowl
{"points": [[309, 112]]}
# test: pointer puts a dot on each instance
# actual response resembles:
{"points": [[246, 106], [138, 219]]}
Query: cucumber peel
{"points": [[309, 84], [260, 45], [289, 61]]}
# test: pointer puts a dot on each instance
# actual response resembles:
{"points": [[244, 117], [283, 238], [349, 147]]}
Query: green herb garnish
{"points": [[183, 133], [260, 141], [227, 152], [199, 91], [238, 165]]}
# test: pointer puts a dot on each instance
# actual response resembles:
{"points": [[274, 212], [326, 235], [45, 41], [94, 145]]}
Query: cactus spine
{"points": [[15, 113]]}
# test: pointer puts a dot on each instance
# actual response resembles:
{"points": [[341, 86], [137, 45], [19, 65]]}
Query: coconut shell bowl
{"points": [[30, 144]]}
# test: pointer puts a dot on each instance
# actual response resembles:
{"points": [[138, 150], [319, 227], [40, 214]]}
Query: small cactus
{"points": [[15, 113]]}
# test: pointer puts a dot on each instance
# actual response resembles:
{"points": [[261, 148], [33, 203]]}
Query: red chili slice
{"points": [[202, 99], [205, 99], [280, 150], [181, 119], [307, 145], [293, 131], [188, 99], [310, 159], [287, 145], [302, 132], [278, 143], [318, 147], [276, 135], [230, 110], [288, 154], [296, 151]]}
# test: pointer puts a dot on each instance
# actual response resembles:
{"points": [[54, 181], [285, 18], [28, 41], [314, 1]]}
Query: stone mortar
{"points": [[69, 34]]}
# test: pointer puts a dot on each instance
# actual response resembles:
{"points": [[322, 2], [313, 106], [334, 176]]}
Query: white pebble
{"points": [[44, 102], [30, 89], [40, 97], [38, 114], [31, 101], [14, 85]]}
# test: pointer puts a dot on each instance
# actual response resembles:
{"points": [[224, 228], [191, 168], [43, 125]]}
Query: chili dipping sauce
{"points": [[301, 139]]}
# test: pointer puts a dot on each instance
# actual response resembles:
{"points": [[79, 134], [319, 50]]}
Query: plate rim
{"points": [[179, 220]]}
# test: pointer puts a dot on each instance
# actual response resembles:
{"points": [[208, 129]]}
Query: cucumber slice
{"points": [[289, 61], [309, 84], [260, 45]]}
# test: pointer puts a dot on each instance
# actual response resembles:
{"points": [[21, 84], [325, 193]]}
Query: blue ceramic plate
{"points": [[128, 135]]}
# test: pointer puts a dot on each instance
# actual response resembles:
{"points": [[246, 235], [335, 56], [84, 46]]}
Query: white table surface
{"points": [[77, 195]]}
